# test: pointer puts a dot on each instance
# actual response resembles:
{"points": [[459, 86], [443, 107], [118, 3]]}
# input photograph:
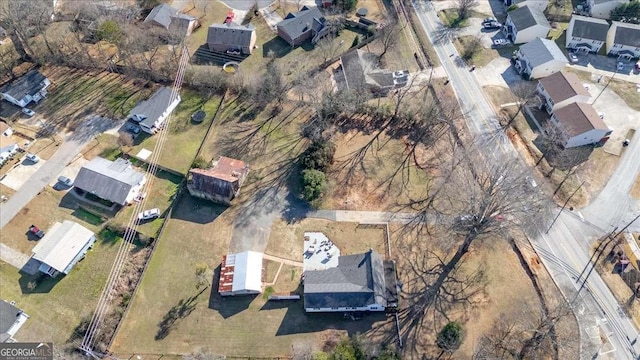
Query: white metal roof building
{"points": [[62, 247], [241, 274]]}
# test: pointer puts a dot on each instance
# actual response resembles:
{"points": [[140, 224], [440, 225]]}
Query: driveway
{"points": [[271, 17], [72, 170], [67, 151], [21, 173], [606, 66]]}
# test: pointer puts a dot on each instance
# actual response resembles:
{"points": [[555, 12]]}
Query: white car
{"points": [[573, 58], [28, 112], [149, 214], [65, 181], [32, 157], [620, 66]]}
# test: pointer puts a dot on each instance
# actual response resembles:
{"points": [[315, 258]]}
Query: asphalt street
{"points": [[565, 249], [71, 146]]}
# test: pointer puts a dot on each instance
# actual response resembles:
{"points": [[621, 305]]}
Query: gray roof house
{"points": [[150, 114], [360, 70], [114, 181], [167, 17], [62, 247], [539, 58], [623, 40], [231, 37], [525, 24], [358, 283], [32, 86], [11, 319], [586, 33], [296, 28]]}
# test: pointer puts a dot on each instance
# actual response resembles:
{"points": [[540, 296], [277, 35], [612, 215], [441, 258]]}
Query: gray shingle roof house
{"points": [[360, 71], [167, 17], [525, 24], [296, 28], [221, 183], [539, 58], [115, 181], [357, 284], [150, 114], [32, 86], [623, 40], [231, 37], [11, 319], [62, 247], [586, 33]]}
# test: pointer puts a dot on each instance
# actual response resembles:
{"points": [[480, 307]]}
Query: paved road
{"points": [[71, 147], [565, 250]]}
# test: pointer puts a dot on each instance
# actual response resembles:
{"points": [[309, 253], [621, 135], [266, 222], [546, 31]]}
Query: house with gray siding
{"points": [[31, 87], [169, 18], [586, 33], [539, 58], [62, 247], [231, 37], [525, 24], [151, 114]]}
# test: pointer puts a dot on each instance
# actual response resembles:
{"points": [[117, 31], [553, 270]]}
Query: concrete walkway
{"points": [[13, 257], [363, 216], [282, 260], [271, 17]]}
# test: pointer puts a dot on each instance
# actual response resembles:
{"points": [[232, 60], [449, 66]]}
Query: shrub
{"points": [[109, 31], [450, 337], [200, 163], [313, 184], [319, 155]]}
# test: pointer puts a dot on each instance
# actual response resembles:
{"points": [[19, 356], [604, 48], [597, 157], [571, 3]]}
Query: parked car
{"points": [[65, 181], [28, 112], [140, 197], [492, 25], [32, 157], [489, 20], [573, 58], [620, 66], [500, 42], [149, 214], [36, 231]]}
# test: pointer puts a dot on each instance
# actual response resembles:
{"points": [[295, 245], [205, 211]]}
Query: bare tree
{"points": [[328, 47], [471, 47], [524, 94], [551, 140], [388, 36], [22, 20], [464, 7]]}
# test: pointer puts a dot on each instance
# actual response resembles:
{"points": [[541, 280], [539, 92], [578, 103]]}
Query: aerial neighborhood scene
{"points": [[318, 180]]}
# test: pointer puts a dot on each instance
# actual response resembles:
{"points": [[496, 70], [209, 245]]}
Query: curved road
{"points": [[565, 250]]}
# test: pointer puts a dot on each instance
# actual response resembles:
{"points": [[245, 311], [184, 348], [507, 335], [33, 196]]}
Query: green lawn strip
{"points": [[56, 306], [481, 57]]}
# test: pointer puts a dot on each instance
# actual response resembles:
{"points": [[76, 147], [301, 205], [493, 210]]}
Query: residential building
{"points": [[8, 147], [241, 274], [62, 247], [169, 18], [150, 114], [540, 5], [231, 37], [221, 183], [581, 125], [601, 9], [115, 182], [623, 40], [360, 71], [586, 33], [306, 24], [31, 87], [360, 282], [539, 58], [561, 89], [11, 320], [524, 24]]}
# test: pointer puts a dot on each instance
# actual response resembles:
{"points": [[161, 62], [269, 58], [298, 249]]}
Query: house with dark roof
{"points": [[32, 86], [601, 9], [241, 274], [540, 5], [360, 282], [581, 125], [360, 71], [151, 114], [11, 320], [586, 33], [539, 58], [221, 183], [169, 18], [525, 24], [231, 37], [296, 28], [623, 40], [561, 89], [115, 182], [62, 247]]}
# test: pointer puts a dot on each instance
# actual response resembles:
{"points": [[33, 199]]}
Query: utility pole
{"points": [[563, 206]]}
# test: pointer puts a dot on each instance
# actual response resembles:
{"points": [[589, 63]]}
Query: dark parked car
{"points": [[36, 231]]}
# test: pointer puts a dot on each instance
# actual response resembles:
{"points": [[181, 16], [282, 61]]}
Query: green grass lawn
{"points": [[56, 307], [450, 18], [184, 136]]}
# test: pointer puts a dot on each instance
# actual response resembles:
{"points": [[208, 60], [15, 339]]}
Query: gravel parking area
{"points": [[21, 173]]}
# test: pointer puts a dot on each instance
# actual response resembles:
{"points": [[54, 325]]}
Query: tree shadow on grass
{"points": [[276, 47], [181, 310], [227, 306], [38, 283]]}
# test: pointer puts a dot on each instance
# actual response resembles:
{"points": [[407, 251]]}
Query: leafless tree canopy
{"points": [[464, 7]]}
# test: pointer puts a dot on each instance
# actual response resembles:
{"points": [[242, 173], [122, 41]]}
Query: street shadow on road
{"points": [[197, 210]]}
